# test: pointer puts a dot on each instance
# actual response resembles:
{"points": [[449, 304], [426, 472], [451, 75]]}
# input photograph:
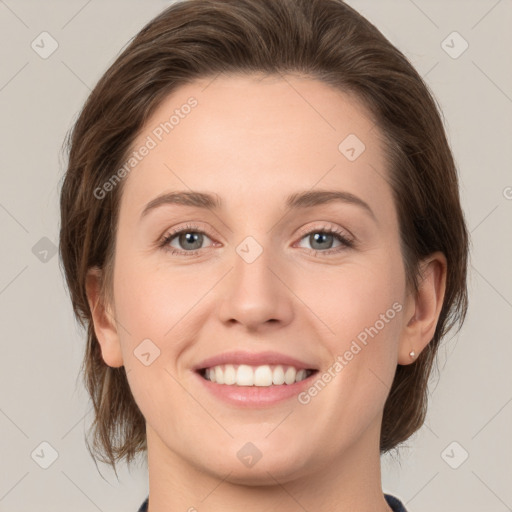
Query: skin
{"points": [[254, 140]]}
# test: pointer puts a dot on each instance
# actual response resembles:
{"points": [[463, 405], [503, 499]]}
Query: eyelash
{"points": [[346, 242]]}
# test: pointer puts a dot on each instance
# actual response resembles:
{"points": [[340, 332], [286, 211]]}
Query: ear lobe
{"points": [[104, 321], [426, 307]]}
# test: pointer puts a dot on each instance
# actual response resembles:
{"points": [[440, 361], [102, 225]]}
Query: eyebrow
{"points": [[298, 200]]}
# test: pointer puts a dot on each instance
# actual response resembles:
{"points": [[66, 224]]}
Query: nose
{"points": [[256, 293]]}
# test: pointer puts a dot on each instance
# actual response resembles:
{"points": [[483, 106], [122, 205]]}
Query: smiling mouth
{"points": [[262, 376]]}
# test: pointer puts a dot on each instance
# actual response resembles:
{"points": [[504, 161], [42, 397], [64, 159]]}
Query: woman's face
{"points": [[261, 275]]}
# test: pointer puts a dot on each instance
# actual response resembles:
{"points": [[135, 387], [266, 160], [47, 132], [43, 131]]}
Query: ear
{"points": [[103, 319], [422, 309]]}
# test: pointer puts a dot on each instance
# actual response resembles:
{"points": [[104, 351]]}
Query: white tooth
{"points": [[244, 376], [301, 375], [263, 376], [229, 374], [278, 375], [219, 375], [289, 376]]}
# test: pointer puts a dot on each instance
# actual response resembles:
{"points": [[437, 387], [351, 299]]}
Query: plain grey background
{"points": [[461, 460]]}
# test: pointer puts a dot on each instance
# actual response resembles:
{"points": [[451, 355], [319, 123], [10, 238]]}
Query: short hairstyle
{"points": [[325, 40]]}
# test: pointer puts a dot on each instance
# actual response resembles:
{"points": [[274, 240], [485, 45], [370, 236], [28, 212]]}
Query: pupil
{"points": [[191, 237], [319, 237]]}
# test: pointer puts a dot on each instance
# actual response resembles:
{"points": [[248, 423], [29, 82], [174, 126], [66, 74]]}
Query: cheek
{"points": [[361, 304], [154, 302], [157, 305], [354, 296]]}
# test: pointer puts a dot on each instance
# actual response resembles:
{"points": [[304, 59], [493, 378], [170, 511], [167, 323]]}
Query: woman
{"points": [[256, 368]]}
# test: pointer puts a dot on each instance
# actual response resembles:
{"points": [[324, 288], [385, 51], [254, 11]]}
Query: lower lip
{"points": [[255, 396]]}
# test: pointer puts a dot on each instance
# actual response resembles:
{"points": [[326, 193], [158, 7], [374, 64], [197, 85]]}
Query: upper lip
{"points": [[253, 359]]}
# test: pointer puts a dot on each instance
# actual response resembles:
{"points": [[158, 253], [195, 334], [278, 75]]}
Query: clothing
{"points": [[393, 502], [144, 506]]}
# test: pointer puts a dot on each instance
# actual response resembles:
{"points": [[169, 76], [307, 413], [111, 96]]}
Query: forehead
{"points": [[254, 138]]}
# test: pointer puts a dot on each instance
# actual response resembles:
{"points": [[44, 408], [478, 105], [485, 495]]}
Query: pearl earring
{"points": [[412, 354]]}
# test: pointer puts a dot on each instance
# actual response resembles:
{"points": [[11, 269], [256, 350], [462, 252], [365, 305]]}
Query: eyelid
{"points": [[329, 227], [345, 237], [163, 241]]}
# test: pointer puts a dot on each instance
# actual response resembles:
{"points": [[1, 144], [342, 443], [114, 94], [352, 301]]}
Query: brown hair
{"points": [[323, 39]]}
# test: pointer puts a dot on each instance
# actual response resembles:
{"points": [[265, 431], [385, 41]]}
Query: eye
{"points": [[321, 240], [188, 239]]}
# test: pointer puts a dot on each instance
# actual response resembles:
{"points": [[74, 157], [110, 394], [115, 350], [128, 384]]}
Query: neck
{"points": [[350, 480]]}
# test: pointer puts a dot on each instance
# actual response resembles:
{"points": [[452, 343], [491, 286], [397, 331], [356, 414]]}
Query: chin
{"points": [[253, 466]]}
